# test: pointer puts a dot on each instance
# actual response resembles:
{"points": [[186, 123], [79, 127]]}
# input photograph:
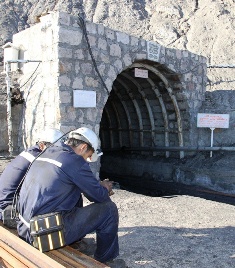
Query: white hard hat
{"points": [[51, 135], [87, 135]]}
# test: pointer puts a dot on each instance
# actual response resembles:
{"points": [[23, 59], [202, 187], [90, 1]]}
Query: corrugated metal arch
{"points": [[138, 112], [172, 96], [150, 112], [127, 113], [119, 123], [164, 112], [110, 129]]}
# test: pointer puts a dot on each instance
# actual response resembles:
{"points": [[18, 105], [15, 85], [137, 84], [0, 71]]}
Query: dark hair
{"points": [[75, 143]]}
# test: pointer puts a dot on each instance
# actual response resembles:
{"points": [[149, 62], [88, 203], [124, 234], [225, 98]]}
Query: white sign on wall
{"points": [[84, 99], [213, 120], [141, 73], [153, 50]]}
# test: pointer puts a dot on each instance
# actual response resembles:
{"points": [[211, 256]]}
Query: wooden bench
{"points": [[16, 253]]}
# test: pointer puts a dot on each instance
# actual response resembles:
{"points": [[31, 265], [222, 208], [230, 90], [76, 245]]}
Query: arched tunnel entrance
{"points": [[140, 115]]}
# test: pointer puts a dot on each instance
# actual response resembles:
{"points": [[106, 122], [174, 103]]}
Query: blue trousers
{"points": [[99, 217]]}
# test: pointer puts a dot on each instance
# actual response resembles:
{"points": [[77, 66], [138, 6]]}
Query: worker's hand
{"points": [[108, 184]]}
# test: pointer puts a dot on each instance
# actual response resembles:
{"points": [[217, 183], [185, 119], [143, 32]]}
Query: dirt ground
{"points": [[173, 231]]}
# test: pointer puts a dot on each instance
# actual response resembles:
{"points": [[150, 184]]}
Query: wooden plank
{"points": [[67, 259], [58, 259], [83, 259], [4, 264], [27, 251], [6, 256], [17, 255], [75, 258]]}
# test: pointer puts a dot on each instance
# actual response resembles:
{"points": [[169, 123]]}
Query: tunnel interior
{"points": [[140, 115]]}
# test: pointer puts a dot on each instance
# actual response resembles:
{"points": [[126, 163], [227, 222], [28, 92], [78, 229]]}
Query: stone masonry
{"points": [[58, 42]]}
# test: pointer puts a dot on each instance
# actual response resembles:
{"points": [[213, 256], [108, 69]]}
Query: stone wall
{"points": [[39, 80], [59, 43]]}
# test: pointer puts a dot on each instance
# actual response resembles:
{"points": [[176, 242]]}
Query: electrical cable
{"points": [[82, 24], [30, 76], [218, 66]]}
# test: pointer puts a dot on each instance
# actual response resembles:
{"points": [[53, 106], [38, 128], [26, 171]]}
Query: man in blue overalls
{"points": [[15, 171], [55, 182]]}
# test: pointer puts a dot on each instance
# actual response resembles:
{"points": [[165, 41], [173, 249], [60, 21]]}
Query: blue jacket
{"points": [[55, 182], [14, 173]]}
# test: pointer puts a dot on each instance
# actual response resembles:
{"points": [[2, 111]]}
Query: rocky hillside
{"points": [[204, 27]]}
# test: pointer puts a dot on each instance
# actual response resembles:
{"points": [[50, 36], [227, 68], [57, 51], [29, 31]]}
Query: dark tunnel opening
{"points": [[142, 114]]}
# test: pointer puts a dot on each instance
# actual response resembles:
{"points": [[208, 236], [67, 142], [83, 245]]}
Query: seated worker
{"points": [[16, 169], [54, 183]]}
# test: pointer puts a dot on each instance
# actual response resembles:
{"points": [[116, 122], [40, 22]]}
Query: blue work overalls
{"points": [[13, 174], [54, 183]]}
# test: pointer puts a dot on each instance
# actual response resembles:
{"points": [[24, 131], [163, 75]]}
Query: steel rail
{"points": [[171, 148]]}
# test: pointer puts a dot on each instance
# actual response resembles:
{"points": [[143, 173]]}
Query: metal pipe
{"points": [[9, 117], [22, 61], [222, 66], [170, 148]]}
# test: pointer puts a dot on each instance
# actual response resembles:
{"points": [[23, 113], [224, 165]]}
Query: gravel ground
{"points": [[178, 231], [175, 231]]}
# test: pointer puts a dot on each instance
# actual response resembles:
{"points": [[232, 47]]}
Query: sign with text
{"points": [[153, 50], [141, 73], [84, 99], [213, 120]]}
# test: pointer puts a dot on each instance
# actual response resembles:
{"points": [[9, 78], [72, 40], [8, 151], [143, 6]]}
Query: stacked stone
{"points": [[59, 42]]}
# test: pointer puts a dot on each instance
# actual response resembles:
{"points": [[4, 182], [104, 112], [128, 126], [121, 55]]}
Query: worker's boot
{"points": [[86, 246], [116, 263]]}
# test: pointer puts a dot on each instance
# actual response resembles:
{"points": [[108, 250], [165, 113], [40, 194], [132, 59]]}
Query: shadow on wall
{"points": [[155, 176], [169, 190]]}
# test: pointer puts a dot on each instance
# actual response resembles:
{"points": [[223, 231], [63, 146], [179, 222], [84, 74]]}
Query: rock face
{"points": [[203, 27]]}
